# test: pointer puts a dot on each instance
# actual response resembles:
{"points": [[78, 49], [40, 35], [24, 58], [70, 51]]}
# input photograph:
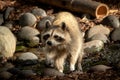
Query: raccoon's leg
{"points": [[59, 62], [50, 60], [73, 60], [79, 66]]}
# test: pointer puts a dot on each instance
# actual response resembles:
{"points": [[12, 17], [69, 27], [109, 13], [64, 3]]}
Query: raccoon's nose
{"points": [[49, 43]]}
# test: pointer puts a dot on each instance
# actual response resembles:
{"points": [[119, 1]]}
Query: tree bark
{"points": [[94, 8]]}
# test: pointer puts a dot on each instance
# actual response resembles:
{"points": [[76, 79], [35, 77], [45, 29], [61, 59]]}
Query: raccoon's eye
{"points": [[57, 38], [45, 37]]}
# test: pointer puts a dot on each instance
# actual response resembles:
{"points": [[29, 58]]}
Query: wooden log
{"points": [[94, 8]]}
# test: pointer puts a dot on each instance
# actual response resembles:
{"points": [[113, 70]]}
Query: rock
{"points": [[29, 34], [38, 12], [27, 19], [7, 12], [6, 66], [93, 46], [1, 19], [42, 23], [7, 42], [5, 75], [52, 72], [27, 62], [100, 36], [98, 29], [100, 68], [34, 41], [27, 73], [111, 20], [115, 35], [28, 56], [21, 73], [26, 59], [9, 25]]}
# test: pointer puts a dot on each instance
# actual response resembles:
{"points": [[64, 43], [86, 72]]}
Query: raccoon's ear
{"points": [[48, 24], [63, 26]]}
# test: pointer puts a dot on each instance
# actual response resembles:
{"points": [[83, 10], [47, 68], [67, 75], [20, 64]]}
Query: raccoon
{"points": [[63, 39], [7, 44]]}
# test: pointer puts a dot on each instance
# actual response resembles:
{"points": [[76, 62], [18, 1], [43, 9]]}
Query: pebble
{"points": [[115, 35], [27, 62], [111, 20], [27, 73], [98, 29], [27, 19], [34, 41], [22, 73], [38, 12], [42, 23], [6, 66], [100, 36], [51, 72], [29, 34], [5, 75], [27, 56], [7, 12], [100, 68], [9, 25], [93, 46]]}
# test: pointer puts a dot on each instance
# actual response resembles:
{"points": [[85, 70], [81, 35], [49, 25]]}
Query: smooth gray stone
{"points": [[30, 35], [111, 20], [38, 12], [27, 56], [7, 12], [5, 75], [100, 68], [51, 72], [115, 35], [98, 29], [27, 19], [100, 36], [93, 46]]}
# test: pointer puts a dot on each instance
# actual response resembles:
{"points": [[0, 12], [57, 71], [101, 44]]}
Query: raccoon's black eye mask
{"points": [[45, 37], [59, 39]]}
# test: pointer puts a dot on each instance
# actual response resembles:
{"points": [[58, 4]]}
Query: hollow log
{"points": [[94, 8]]}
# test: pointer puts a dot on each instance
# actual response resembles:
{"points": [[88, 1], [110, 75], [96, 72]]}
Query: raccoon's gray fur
{"points": [[7, 43], [63, 38]]}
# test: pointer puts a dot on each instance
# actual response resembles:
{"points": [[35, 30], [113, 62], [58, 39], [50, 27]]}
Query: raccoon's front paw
{"points": [[61, 71], [72, 68]]}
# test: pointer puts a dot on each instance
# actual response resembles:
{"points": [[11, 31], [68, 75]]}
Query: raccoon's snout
{"points": [[49, 43]]}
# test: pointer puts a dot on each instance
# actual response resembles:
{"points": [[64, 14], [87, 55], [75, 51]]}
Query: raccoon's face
{"points": [[56, 36]]}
